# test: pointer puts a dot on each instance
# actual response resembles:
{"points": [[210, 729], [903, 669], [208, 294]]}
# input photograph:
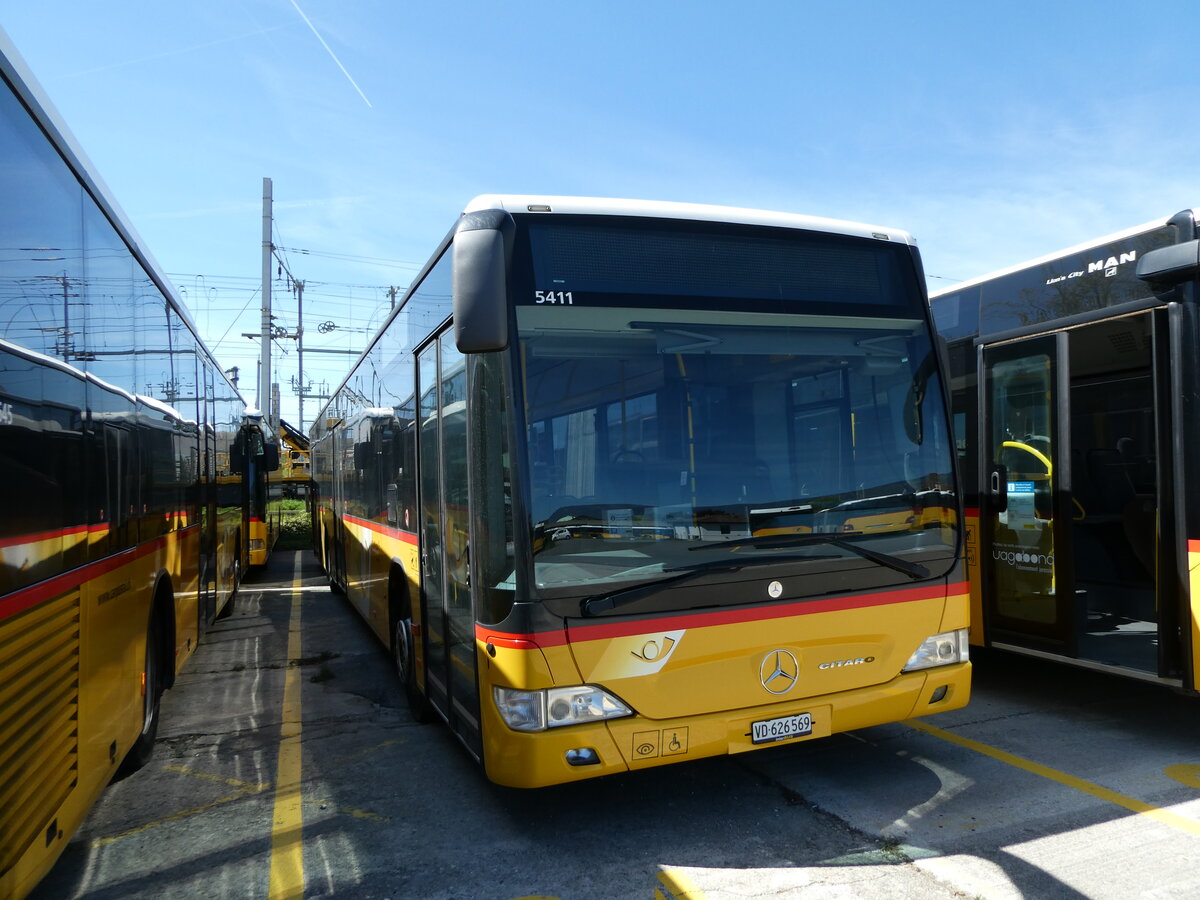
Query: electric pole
{"points": [[264, 382], [300, 346]]}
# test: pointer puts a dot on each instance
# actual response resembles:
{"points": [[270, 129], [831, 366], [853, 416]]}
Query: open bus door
{"points": [[1079, 514], [1028, 592]]}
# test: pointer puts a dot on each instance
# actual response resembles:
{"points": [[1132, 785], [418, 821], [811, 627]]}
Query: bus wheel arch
{"points": [[330, 564], [403, 644], [235, 577], [158, 674]]}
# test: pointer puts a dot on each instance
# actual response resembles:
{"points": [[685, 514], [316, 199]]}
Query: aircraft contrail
{"points": [[332, 55]]}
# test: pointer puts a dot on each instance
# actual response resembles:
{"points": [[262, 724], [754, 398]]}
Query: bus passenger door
{"points": [[433, 620], [1028, 595], [1123, 485], [206, 501], [448, 612]]}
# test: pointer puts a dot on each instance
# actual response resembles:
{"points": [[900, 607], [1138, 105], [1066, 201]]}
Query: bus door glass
{"points": [[208, 500], [432, 529], [1117, 499], [445, 551], [1025, 592], [460, 615]]}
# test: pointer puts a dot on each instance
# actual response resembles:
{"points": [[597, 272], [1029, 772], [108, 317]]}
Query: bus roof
{"points": [[1057, 254], [537, 203]]}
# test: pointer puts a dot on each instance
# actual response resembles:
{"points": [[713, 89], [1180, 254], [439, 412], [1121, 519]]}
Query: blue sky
{"points": [[992, 132]]}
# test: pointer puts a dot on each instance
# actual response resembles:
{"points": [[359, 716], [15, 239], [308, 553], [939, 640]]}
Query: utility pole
{"points": [[264, 378], [300, 346]]}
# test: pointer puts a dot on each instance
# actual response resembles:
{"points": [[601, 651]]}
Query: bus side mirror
{"points": [[270, 457], [480, 282], [1170, 265]]}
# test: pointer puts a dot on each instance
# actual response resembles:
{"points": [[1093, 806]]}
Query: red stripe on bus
{"points": [[607, 630], [97, 528], [386, 530], [1193, 546], [29, 597], [49, 535]]}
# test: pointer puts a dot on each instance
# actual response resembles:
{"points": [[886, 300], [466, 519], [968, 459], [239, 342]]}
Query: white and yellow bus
{"points": [[1073, 405], [623, 484], [122, 502]]}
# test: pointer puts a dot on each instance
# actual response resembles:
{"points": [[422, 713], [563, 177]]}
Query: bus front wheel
{"points": [[406, 670]]}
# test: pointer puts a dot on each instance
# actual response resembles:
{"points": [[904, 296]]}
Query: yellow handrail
{"points": [[1032, 451]]}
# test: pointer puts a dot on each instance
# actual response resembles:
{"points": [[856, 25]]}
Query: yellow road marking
{"points": [[244, 789], [679, 886], [352, 811], [252, 787], [1181, 823], [248, 791], [248, 787], [287, 829], [1186, 773], [367, 751]]}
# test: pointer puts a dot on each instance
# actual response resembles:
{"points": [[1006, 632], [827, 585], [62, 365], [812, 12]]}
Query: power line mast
{"points": [[264, 378], [299, 285]]}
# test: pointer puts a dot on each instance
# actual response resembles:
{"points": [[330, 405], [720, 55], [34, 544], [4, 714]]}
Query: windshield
{"points": [[677, 433]]}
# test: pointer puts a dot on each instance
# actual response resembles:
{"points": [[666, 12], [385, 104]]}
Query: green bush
{"points": [[295, 531]]}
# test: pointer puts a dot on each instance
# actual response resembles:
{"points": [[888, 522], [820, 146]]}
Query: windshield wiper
{"points": [[599, 603], [779, 541]]}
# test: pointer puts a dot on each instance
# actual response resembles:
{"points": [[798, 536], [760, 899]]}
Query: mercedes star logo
{"points": [[779, 671]]}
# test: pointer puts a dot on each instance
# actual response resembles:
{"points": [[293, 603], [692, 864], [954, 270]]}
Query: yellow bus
{"points": [[623, 484], [258, 462], [122, 510]]}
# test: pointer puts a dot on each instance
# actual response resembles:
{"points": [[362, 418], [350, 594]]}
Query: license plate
{"points": [[768, 730]]}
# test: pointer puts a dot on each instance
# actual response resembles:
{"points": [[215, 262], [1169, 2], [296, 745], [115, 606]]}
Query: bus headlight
{"points": [[555, 707], [940, 650]]}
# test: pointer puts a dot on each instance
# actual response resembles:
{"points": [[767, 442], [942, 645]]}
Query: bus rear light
{"points": [[943, 649], [556, 707]]}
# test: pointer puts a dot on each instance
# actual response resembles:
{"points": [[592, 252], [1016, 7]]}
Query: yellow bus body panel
{"points": [[697, 687], [1194, 610], [71, 706], [380, 550], [974, 575]]}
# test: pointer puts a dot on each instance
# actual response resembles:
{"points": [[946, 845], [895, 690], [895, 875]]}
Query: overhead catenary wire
{"points": [[357, 304], [347, 257]]}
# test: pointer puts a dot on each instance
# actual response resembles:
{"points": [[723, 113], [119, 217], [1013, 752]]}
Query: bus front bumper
{"points": [[574, 753]]}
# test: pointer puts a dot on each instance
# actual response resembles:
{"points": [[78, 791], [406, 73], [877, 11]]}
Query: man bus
{"points": [[1074, 390]]}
